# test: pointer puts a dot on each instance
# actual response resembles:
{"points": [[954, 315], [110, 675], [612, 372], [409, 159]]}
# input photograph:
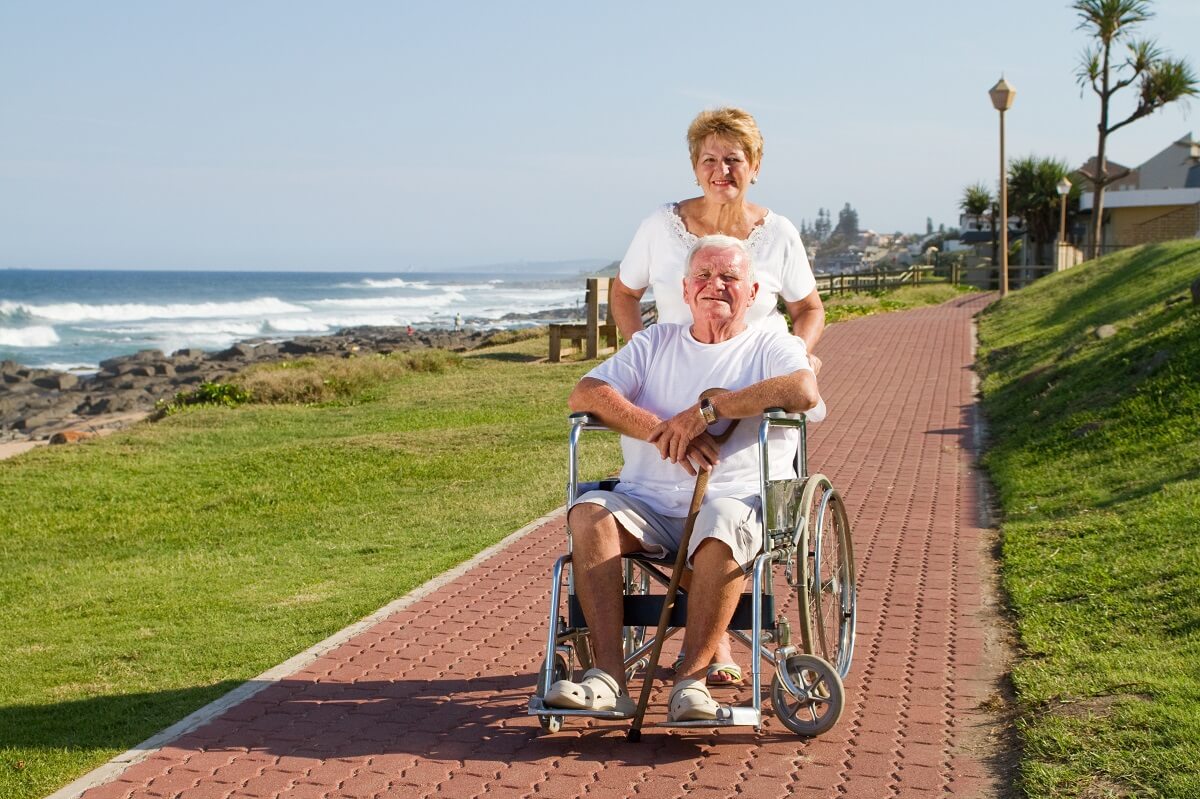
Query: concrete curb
{"points": [[115, 767]]}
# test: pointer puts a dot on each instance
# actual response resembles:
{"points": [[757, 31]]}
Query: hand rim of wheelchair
{"points": [[810, 539], [807, 694]]}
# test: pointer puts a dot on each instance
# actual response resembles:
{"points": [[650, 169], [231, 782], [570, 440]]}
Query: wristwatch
{"points": [[708, 412]]}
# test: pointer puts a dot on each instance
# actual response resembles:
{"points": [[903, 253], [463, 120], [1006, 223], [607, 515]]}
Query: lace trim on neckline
{"points": [[679, 229]]}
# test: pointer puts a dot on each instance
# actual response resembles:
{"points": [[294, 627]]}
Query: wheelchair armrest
{"points": [[586, 421], [815, 414]]}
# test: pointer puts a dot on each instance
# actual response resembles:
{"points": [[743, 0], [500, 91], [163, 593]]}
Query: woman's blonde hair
{"points": [[733, 124]]}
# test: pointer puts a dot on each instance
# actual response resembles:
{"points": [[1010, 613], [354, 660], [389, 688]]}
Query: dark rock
{"points": [[165, 368], [35, 419], [236, 352], [118, 402], [300, 346], [187, 354], [60, 381]]}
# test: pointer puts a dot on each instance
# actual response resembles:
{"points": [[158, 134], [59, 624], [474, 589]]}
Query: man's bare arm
{"points": [[601, 400], [796, 392]]}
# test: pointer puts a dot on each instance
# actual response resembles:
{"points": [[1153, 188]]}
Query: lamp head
{"points": [[1063, 187], [1002, 95]]}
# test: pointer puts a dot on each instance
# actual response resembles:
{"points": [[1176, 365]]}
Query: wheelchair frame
{"points": [[805, 529]]}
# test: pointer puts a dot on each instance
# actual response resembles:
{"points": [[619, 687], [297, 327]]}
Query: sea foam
{"points": [[36, 336]]}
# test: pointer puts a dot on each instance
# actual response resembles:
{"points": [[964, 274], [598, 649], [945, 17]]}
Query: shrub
{"points": [[206, 393]]}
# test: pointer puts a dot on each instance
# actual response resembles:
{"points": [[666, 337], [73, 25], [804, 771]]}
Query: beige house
{"points": [[1142, 216], [1157, 201]]}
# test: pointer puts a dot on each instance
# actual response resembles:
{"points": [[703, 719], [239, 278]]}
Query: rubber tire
{"points": [[811, 712], [825, 551]]}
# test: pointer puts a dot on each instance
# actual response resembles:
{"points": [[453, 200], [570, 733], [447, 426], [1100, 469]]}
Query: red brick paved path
{"points": [[431, 701]]}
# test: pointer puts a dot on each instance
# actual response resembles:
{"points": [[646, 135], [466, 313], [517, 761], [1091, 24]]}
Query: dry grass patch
{"points": [[308, 381]]}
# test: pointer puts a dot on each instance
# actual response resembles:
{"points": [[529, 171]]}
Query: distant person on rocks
{"points": [[458, 321], [726, 150], [649, 392]]}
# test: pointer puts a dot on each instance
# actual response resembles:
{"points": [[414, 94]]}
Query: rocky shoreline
{"points": [[43, 405]]}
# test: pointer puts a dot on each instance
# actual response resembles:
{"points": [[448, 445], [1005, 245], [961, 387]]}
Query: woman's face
{"points": [[723, 170]]}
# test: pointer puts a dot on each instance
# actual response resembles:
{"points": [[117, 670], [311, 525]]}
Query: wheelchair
{"points": [[804, 634]]}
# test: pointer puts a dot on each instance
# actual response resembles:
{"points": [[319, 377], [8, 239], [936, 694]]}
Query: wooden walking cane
{"points": [[635, 732]]}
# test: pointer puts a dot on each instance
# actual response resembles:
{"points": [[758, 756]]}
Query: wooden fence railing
{"points": [[881, 279]]}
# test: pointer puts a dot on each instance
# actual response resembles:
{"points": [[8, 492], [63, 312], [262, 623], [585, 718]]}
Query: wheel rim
{"points": [[807, 694], [825, 562]]}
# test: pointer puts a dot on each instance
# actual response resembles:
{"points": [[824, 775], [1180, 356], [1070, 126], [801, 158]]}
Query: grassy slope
{"points": [[1096, 458], [146, 574]]}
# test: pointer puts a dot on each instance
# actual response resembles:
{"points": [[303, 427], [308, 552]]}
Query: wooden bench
{"points": [[587, 336]]}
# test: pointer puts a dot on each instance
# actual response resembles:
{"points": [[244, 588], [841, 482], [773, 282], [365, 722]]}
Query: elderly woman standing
{"points": [[726, 149]]}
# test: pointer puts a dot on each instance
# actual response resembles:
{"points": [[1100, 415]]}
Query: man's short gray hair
{"points": [[719, 241]]}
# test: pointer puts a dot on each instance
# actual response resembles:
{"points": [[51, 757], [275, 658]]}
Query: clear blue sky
{"points": [[390, 135]]}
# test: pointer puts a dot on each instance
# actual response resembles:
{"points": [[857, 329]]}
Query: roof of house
{"points": [[1143, 198]]}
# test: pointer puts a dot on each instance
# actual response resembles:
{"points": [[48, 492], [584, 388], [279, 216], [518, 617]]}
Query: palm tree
{"points": [[977, 200], [1033, 195], [1162, 80]]}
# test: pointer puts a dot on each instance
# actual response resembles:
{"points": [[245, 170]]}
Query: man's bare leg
{"points": [[718, 584], [598, 544]]}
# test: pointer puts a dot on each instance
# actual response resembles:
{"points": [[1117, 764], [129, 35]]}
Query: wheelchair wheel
{"points": [[825, 555], [561, 672], [807, 695]]}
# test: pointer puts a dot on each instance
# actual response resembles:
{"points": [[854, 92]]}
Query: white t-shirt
{"points": [[656, 258], [664, 369]]}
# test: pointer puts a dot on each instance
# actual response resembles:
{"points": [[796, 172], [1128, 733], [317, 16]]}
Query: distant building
{"points": [[1176, 167], [1157, 201]]}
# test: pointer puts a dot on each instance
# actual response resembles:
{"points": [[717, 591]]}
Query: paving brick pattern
{"points": [[431, 701]]}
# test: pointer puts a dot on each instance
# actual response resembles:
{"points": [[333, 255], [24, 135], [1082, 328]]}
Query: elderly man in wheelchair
{"points": [[650, 392]]}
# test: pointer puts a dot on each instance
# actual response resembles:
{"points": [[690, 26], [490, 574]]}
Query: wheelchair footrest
{"points": [[727, 716], [539, 708]]}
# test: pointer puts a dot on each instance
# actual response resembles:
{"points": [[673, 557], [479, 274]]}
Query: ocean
{"points": [[70, 320]]}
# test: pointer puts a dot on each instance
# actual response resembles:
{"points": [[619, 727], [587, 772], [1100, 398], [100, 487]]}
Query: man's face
{"points": [[718, 286]]}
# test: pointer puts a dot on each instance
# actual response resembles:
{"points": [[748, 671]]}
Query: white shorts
{"points": [[731, 520]]}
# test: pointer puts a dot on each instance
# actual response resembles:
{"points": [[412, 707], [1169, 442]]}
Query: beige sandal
{"points": [[691, 701], [596, 691]]}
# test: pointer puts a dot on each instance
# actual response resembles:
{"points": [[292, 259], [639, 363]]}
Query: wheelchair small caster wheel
{"points": [[562, 671], [807, 694]]}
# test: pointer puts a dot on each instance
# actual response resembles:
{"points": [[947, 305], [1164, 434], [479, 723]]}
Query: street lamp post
{"points": [[1002, 95], [1063, 188]]}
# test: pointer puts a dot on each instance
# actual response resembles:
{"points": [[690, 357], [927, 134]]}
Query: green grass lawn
{"points": [[1095, 454], [149, 573], [839, 308]]}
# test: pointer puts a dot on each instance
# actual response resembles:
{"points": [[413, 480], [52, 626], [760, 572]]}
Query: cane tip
{"points": [[633, 736]]}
